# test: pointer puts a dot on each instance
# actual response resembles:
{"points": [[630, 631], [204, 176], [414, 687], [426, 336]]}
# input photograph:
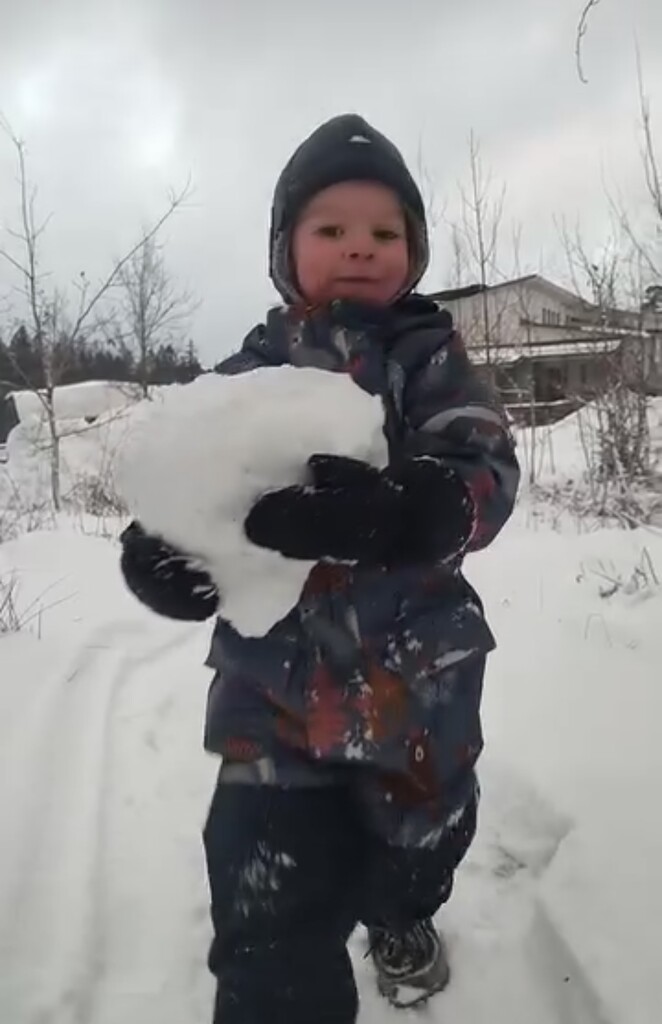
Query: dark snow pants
{"points": [[292, 871]]}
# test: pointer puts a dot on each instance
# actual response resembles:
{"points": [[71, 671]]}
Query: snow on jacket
{"points": [[377, 670]]}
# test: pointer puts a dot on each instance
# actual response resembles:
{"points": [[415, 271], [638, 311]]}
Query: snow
{"points": [[594, 924], [559, 452], [87, 452], [104, 784], [76, 401], [193, 465], [582, 673], [559, 474]]}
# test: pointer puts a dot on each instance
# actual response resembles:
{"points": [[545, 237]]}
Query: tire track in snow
{"points": [[52, 779], [490, 919], [151, 926], [57, 775]]}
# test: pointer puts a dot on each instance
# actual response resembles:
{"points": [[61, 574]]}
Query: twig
{"points": [[581, 32]]}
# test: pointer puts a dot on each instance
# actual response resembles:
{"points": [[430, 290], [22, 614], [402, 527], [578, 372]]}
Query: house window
{"points": [[551, 317]]}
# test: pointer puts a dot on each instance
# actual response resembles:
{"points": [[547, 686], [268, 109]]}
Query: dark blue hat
{"points": [[346, 148]]}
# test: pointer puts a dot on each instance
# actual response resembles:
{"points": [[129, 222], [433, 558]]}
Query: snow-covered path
{"points": [[104, 788], [489, 920], [152, 951], [55, 771], [98, 820], [107, 916]]}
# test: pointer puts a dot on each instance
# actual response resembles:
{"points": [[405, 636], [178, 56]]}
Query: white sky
{"points": [[118, 102]]}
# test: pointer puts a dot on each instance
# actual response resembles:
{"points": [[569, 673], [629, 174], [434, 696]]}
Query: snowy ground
{"points": [[104, 786], [556, 459]]}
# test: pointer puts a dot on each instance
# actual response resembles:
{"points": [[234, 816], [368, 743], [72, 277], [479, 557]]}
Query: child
{"points": [[349, 733]]}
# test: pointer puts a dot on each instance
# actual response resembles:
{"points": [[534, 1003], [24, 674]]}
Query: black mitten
{"points": [[437, 511], [348, 513], [341, 471], [164, 578], [420, 511]]}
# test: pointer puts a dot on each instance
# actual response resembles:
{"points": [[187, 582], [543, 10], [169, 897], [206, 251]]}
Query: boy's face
{"points": [[350, 242]]}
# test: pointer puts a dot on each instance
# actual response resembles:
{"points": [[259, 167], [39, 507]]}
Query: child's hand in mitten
{"points": [[345, 513], [417, 512], [164, 578], [340, 471], [437, 511]]}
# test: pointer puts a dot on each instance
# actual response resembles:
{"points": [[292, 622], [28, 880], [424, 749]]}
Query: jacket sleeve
{"points": [[251, 355], [453, 415]]}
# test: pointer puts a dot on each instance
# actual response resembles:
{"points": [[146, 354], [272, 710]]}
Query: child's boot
{"points": [[411, 964]]}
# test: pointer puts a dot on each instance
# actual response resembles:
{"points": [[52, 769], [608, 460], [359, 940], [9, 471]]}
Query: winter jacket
{"points": [[376, 675]]}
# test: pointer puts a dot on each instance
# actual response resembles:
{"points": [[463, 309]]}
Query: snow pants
{"points": [[292, 871]]}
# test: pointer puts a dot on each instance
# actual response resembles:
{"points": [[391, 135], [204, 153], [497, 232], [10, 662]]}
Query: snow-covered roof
{"points": [[544, 350], [529, 280], [76, 401]]}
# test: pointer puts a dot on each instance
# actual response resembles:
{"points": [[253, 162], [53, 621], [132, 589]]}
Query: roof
{"points": [[511, 354], [457, 294]]}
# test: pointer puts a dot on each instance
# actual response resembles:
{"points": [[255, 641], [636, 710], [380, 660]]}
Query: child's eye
{"points": [[329, 231], [386, 235]]}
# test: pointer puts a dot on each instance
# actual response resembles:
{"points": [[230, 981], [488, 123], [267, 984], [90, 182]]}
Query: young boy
{"points": [[349, 733]]}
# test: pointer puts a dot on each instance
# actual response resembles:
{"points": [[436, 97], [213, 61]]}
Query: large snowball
{"points": [[198, 458]]}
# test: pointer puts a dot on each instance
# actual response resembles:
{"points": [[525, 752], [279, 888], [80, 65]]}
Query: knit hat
{"points": [[345, 148]]}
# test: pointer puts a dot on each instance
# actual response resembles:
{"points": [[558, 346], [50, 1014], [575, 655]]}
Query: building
{"points": [[548, 350]]}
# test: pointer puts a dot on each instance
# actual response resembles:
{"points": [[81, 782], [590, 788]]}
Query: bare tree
{"points": [[649, 155], [526, 316], [647, 247], [482, 214], [52, 315], [457, 277], [434, 210], [625, 279], [615, 433], [600, 273], [153, 311]]}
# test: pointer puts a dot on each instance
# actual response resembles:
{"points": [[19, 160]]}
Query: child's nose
{"points": [[362, 248]]}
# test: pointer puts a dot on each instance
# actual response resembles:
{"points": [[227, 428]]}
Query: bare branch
{"points": [[434, 211], [38, 232], [175, 201], [482, 215], [582, 28], [649, 156], [28, 269], [643, 248], [16, 235], [640, 248], [601, 273], [14, 263], [153, 310]]}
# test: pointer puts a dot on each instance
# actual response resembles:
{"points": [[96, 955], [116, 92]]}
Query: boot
{"points": [[411, 965]]}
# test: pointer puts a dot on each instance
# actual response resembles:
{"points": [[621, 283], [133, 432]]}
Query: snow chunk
{"points": [[196, 461]]}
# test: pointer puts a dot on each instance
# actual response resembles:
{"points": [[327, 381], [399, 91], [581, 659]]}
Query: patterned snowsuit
{"points": [[355, 720], [377, 669]]}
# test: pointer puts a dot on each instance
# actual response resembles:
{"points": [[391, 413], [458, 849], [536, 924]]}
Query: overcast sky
{"points": [[119, 101]]}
